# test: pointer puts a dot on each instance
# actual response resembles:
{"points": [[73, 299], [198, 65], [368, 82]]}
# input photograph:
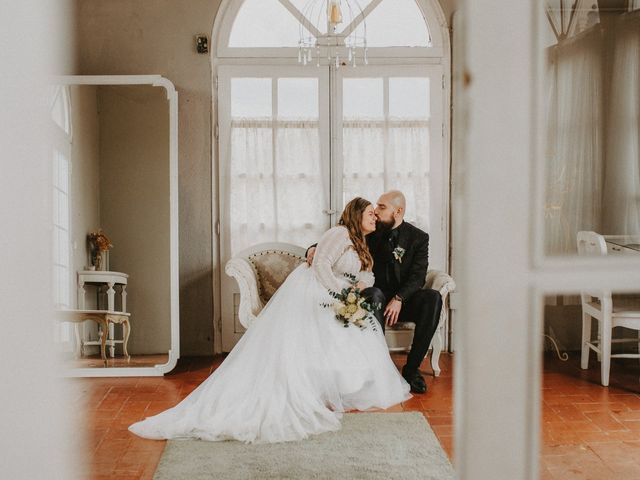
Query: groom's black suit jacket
{"points": [[404, 277]]}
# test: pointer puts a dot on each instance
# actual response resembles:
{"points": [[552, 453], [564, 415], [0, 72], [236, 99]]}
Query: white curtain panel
{"points": [[574, 153], [622, 168], [386, 155], [276, 191]]}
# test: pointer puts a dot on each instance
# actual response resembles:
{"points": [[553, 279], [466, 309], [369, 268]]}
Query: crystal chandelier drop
{"points": [[345, 40]]}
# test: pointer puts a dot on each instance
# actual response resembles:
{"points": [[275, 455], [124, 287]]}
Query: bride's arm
{"points": [[330, 248], [367, 278]]}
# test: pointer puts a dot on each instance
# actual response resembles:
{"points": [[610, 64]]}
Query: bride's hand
{"points": [[361, 285]]}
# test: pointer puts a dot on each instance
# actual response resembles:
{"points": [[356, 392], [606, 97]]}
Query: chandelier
{"points": [[345, 40]]}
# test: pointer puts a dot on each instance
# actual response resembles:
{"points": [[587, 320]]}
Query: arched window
{"points": [[273, 28], [297, 141]]}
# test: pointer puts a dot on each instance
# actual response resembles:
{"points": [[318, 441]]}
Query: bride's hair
{"points": [[352, 219]]}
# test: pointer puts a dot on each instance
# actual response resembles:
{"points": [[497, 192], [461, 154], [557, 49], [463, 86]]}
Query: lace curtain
{"points": [[622, 170], [574, 147], [276, 185], [593, 131], [381, 156], [277, 189]]}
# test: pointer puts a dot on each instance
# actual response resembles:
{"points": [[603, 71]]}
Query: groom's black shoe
{"points": [[415, 381]]}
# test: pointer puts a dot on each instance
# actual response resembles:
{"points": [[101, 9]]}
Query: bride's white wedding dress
{"points": [[295, 369]]}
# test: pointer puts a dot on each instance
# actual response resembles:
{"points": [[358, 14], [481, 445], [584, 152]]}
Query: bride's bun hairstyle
{"points": [[352, 219]]}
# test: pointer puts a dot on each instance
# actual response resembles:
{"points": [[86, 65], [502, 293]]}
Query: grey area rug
{"points": [[369, 446]]}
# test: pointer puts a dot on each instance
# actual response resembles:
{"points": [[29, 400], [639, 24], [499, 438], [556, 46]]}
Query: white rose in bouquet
{"points": [[359, 316]]}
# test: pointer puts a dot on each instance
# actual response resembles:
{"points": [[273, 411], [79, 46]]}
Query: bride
{"points": [[297, 368]]}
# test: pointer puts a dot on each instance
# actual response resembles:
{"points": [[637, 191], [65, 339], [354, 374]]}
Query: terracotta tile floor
{"points": [[589, 432]]}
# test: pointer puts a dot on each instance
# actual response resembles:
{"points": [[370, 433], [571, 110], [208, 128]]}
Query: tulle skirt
{"points": [[292, 374]]}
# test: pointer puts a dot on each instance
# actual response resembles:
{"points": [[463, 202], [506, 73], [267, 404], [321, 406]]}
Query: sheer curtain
{"points": [[622, 169], [381, 156], [276, 183], [574, 150]]}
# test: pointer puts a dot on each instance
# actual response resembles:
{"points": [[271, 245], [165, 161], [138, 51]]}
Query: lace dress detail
{"points": [[335, 257]]}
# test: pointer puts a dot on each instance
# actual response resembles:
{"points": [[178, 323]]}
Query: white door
{"points": [[297, 143], [390, 136], [274, 165]]}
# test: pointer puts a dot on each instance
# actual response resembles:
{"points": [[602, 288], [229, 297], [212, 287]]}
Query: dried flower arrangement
{"points": [[98, 243]]}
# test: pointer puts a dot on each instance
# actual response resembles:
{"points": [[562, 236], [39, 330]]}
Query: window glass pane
{"points": [[409, 98], [61, 175], [591, 150], [315, 12], [397, 23], [298, 98], [60, 109], [61, 209], [363, 98], [251, 98], [264, 23]]}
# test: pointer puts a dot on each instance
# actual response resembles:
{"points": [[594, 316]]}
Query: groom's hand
{"points": [[310, 253], [392, 312]]}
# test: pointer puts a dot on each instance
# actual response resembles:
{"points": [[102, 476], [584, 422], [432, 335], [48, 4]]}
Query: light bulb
{"points": [[334, 13]]}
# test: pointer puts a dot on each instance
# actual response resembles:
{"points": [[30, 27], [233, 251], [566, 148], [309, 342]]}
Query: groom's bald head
{"points": [[390, 209], [396, 198]]}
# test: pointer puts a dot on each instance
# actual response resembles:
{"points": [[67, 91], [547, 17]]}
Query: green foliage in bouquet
{"points": [[351, 307]]}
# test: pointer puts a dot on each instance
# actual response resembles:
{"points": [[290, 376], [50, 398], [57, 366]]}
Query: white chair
{"points": [[259, 271], [599, 304], [400, 336]]}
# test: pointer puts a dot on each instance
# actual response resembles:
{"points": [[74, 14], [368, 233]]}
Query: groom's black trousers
{"points": [[422, 308]]}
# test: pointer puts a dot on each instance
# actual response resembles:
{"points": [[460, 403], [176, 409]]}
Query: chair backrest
{"points": [[592, 243], [272, 263]]}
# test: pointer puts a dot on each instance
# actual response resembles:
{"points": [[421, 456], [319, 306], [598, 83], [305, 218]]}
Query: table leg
{"points": [[111, 296], [112, 336], [126, 330], [78, 349], [123, 295], [81, 293], [111, 306], [103, 340]]}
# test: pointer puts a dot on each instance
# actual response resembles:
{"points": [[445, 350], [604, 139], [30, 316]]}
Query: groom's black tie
{"points": [[393, 238]]}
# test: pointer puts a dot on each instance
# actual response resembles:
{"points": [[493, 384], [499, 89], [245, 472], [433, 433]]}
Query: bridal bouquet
{"points": [[351, 307]]}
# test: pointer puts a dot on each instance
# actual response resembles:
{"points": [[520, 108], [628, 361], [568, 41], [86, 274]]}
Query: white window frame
{"points": [[431, 10]]}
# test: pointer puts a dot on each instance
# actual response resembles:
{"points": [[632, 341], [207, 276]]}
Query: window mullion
{"points": [[274, 149], [349, 29]]}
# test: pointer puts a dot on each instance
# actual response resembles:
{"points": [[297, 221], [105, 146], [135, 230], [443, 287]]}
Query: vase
{"points": [[102, 261]]}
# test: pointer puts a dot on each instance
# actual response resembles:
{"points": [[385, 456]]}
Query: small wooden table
{"points": [[100, 278], [104, 318]]}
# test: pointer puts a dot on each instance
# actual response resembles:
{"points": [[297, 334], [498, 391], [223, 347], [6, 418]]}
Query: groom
{"points": [[401, 256]]}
